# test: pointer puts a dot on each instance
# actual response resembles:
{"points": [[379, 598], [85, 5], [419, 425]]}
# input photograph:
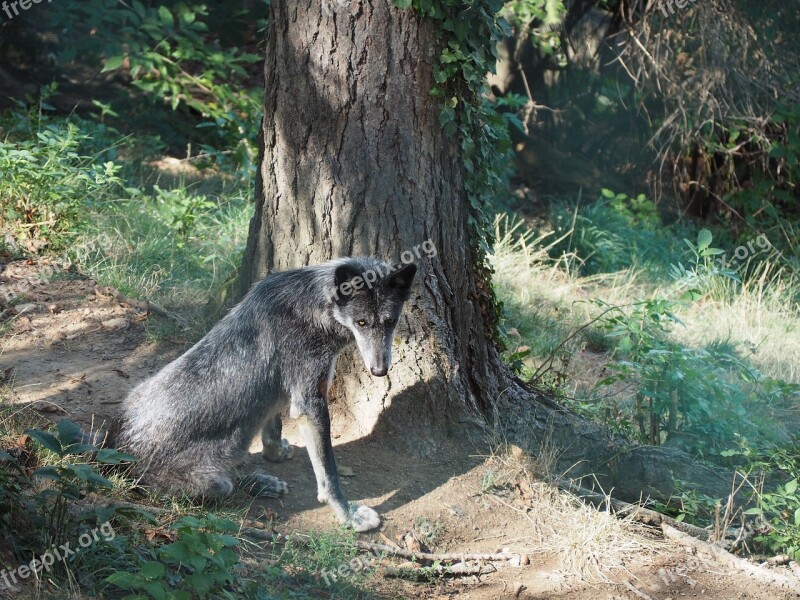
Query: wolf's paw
{"points": [[261, 485], [363, 518], [278, 451]]}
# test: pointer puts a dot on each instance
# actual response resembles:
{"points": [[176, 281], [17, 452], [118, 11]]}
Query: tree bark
{"points": [[354, 162]]}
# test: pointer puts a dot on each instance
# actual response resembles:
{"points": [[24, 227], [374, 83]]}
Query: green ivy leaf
{"points": [[402, 3]]}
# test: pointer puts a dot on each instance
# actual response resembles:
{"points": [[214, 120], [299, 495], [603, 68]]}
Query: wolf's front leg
{"points": [[275, 448], [316, 430]]}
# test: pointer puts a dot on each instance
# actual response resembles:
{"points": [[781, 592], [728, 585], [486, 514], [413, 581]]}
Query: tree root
{"points": [[722, 556]]}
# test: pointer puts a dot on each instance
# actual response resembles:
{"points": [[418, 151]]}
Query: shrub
{"points": [[48, 182]]}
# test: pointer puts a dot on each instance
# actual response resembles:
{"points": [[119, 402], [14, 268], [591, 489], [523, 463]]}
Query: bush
{"points": [[606, 235], [702, 399], [48, 180]]}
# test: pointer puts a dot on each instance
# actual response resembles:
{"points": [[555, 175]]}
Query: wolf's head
{"points": [[368, 300]]}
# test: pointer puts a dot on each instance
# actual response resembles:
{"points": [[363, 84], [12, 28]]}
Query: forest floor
{"points": [[69, 350]]}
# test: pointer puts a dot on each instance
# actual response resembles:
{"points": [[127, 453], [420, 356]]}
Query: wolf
{"points": [[191, 424]]}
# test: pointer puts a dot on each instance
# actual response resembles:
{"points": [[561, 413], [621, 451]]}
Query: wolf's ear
{"points": [[401, 280], [344, 274]]}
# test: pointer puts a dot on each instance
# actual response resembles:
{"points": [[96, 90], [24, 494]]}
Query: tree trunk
{"points": [[354, 162]]}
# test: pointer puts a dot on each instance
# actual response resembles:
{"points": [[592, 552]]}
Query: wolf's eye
{"points": [[362, 323]]}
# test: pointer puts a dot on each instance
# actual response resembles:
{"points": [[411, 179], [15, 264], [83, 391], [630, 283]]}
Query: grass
{"points": [[178, 260], [551, 336], [758, 314], [561, 527]]}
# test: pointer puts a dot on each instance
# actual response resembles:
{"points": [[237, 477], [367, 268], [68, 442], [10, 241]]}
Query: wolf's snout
{"points": [[379, 371]]}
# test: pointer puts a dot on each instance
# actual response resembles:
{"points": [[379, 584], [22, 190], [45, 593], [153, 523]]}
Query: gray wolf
{"points": [[191, 424]]}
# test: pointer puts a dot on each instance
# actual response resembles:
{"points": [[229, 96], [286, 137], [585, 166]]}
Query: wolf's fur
{"points": [[192, 423]]}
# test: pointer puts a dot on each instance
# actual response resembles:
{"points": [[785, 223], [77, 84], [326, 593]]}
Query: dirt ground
{"points": [[70, 351]]}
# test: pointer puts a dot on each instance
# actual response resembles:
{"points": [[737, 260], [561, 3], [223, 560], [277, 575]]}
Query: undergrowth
{"points": [[695, 348], [72, 527]]}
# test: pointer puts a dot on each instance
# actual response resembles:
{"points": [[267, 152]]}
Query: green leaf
{"points": [[156, 589], [113, 63], [754, 511], [402, 3], [98, 479], [200, 582], [110, 456], [79, 449], [448, 115], [153, 570], [47, 440], [190, 521], [704, 239], [68, 432], [124, 580], [791, 487], [166, 17], [48, 473], [177, 551]]}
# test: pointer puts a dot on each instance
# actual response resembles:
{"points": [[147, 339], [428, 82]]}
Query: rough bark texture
{"points": [[355, 163]]}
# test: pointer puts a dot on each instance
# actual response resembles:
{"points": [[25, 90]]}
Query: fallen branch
{"points": [[453, 557], [636, 512], [722, 556], [636, 591], [385, 550], [144, 305], [98, 501], [414, 572]]}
